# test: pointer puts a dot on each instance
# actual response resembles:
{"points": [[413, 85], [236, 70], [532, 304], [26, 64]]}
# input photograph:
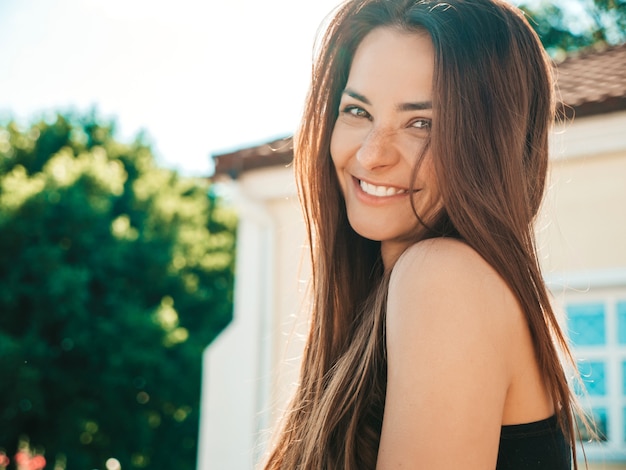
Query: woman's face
{"points": [[384, 122]]}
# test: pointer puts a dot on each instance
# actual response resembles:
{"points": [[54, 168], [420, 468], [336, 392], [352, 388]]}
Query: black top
{"points": [[534, 446]]}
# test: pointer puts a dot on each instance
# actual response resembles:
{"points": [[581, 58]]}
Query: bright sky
{"points": [[200, 76]]}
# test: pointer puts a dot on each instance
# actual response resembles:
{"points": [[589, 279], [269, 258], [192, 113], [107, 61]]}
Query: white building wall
{"points": [[250, 369], [583, 225], [582, 240]]}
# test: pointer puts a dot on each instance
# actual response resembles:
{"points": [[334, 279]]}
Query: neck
{"points": [[390, 252]]}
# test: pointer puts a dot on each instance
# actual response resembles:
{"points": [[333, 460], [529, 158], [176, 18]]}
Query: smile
{"points": [[380, 191]]}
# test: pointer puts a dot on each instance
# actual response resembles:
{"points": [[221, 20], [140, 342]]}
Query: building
{"points": [[250, 369]]}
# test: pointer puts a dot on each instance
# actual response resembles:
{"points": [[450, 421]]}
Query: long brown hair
{"points": [[493, 105]]}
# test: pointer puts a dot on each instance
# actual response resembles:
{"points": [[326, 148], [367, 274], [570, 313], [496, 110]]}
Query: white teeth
{"points": [[380, 191]]}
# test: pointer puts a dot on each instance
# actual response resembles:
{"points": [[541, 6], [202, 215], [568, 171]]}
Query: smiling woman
{"points": [[381, 132], [421, 163]]}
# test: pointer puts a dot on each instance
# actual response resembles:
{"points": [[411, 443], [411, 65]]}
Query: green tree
{"points": [[569, 25], [114, 276]]}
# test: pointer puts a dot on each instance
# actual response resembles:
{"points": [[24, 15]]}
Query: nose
{"points": [[377, 149]]}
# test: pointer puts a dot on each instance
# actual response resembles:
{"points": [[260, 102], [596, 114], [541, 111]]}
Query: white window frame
{"points": [[607, 287]]}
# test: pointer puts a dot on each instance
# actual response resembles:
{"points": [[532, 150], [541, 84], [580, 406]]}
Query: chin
{"points": [[374, 233]]}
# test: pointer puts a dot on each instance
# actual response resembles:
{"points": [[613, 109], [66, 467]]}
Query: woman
{"points": [[421, 164]]}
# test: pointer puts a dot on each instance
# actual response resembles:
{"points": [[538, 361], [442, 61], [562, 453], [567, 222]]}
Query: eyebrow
{"points": [[417, 106]]}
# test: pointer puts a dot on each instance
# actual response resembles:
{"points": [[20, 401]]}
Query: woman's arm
{"points": [[450, 321]]}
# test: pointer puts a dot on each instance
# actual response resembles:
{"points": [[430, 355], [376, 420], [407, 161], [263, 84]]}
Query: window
{"points": [[595, 321]]}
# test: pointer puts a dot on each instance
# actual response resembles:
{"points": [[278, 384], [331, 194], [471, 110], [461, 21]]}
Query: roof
{"points": [[593, 81], [276, 152], [590, 82]]}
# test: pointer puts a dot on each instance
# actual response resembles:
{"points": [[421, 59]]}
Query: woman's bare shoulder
{"points": [[445, 281], [439, 256], [448, 333]]}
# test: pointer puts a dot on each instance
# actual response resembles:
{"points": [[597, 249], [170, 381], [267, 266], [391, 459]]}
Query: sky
{"points": [[200, 77]]}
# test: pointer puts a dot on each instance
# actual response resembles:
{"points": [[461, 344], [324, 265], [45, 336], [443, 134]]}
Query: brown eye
{"points": [[421, 124], [356, 111]]}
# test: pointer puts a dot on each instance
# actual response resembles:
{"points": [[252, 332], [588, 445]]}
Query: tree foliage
{"points": [[115, 275], [576, 24]]}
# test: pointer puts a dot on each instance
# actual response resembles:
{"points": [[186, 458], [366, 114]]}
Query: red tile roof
{"points": [[276, 152], [593, 81], [590, 82]]}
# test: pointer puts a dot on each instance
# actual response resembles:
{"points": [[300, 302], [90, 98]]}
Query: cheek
{"points": [[427, 179], [426, 172], [336, 156], [342, 145], [335, 147]]}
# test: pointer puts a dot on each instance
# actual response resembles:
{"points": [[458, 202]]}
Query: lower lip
{"points": [[371, 199]]}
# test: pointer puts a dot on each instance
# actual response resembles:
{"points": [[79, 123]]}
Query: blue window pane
{"points": [[621, 322], [600, 422], [624, 379], [593, 376], [597, 418], [586, 324]]}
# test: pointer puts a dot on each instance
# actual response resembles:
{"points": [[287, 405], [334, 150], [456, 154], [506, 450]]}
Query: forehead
{"points": [[394, 60]]}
